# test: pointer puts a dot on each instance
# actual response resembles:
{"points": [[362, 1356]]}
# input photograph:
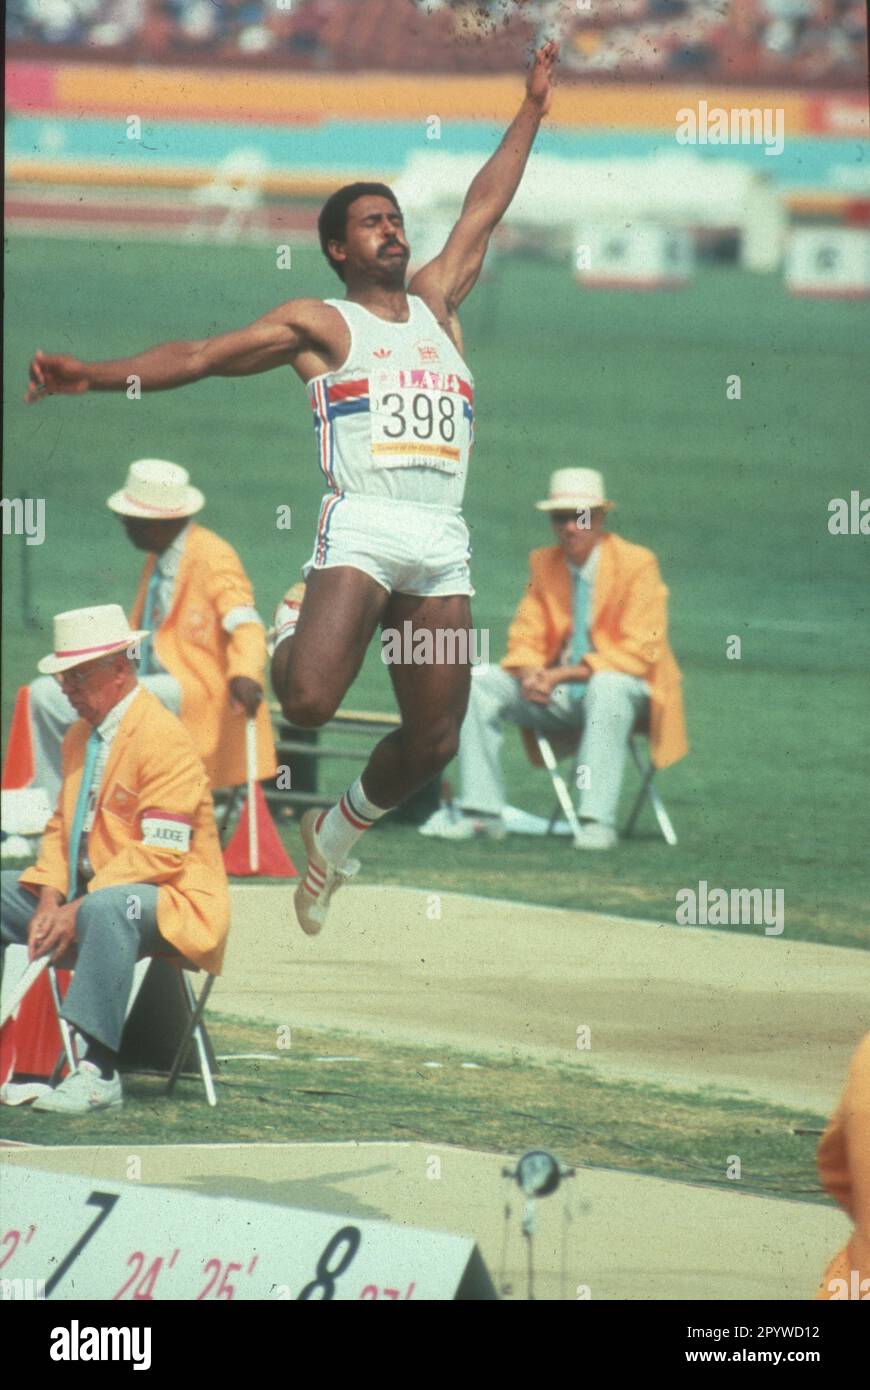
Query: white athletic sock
{"points": [[339, 829], [284, 627]]}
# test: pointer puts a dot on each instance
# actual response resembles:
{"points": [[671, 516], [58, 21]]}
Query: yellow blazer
{"points": [[628, 626], [194, 646], [844, 1169], [153, 768]]}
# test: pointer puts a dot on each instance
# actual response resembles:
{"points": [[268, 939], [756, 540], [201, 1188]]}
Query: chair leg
{"points": [[636, 808], [664, 820], [549, 759], [57, 1070], [69, 1050], [194, 1031], [647, 773]]}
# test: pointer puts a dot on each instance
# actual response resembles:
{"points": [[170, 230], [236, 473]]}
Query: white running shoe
{"points": [[286, 617], [594, 835], [451, 823], [321, 879], [83, 1090]]}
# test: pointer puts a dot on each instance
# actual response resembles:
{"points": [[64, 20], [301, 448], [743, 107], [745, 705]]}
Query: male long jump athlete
{"points": [[393, 406]]}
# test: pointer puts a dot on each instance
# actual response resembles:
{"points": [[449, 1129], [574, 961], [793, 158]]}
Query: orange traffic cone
{"points": [[30, 1043], [18, 765], [273, 859]]}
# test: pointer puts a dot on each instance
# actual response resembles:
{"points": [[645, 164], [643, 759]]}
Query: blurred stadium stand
{"points": [[776, 42]]}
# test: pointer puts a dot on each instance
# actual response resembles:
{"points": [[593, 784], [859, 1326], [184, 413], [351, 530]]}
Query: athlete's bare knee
{"points": [[307, 706], [304, 701]]}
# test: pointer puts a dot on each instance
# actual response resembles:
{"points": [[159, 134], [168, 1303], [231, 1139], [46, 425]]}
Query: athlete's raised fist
{"points": [[539, 83], [55, 375]]}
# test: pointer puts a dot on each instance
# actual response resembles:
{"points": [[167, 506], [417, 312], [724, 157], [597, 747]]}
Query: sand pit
{"points": [[682, 1006]]}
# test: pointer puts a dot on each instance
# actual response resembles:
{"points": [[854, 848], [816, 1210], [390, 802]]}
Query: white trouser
{"points": [[606, 714], [51, 715]]}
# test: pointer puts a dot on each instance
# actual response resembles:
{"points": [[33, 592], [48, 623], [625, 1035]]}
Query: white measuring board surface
{"points": [[80, 1238]]}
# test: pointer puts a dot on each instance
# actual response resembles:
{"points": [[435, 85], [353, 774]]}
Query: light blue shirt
{"points": [[580, 642], [158, 601], [105, 733]]}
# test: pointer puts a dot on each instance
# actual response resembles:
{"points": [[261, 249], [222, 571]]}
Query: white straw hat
{"points": [[157, 489], [84, 634], [575, 487]]}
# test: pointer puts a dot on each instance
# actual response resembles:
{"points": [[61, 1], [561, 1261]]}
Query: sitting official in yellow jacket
{"points": [[587, 657], [130, 863], [628, 628], [206, 659]]}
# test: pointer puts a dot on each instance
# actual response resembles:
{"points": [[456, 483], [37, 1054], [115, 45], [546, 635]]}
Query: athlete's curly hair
{"points": [[332, 222]]}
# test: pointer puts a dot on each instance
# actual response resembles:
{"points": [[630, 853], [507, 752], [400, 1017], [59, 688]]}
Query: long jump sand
{"points": [[683, 1006], [619, 1235]]}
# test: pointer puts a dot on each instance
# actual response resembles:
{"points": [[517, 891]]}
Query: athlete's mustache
{"points": [[391, 246]]}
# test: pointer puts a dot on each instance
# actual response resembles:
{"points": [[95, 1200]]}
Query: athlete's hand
{"points": [[539, 83], [55, 375], [245, 695]]}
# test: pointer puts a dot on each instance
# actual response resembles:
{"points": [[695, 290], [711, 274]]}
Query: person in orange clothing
{"points": [[130, 863], [207, 657], [587, 651], [844, 1170]]}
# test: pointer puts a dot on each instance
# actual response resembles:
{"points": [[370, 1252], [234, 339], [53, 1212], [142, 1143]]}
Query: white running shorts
{"points": [[405, 547]]}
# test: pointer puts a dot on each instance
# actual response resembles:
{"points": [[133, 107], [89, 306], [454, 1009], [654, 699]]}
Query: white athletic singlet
{"points": [[397, 420]]}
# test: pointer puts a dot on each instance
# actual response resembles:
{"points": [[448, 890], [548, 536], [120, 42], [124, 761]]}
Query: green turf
{"points": [[732, 495], [500, 1106]]}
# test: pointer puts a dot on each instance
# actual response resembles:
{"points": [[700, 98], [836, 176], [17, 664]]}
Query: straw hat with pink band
{"points": [[86, 634], [158, 490], [573, 488]]}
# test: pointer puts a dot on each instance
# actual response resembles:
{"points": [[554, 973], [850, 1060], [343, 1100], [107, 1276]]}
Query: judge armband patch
{"points": [[166, 830]]}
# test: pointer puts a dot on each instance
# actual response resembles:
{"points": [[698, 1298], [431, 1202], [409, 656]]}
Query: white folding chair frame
{"points": [[646, 791], [193, 1030]]}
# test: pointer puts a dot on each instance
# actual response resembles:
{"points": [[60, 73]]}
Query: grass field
{"points": [[732, 496], [332, 1085]]}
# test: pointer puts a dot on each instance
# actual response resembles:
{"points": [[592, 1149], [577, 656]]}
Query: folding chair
{"points": [[646, 791], [194, 1031]]}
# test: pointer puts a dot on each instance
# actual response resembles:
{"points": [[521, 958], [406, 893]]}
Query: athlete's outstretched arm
{"points": [[454, 272], [272, 341]]}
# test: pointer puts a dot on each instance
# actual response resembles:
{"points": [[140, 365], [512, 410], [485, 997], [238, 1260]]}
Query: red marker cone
{"points": [[274, 861], [18, 765], [30, 1044]]}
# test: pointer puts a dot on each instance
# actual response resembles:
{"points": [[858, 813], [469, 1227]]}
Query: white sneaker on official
{"points": [[452, 823], [83, 1090], [285, 617], [320, 881], [594, 835]]}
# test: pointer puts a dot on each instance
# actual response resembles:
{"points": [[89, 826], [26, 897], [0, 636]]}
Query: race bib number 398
{"points": [[421, 419]]}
